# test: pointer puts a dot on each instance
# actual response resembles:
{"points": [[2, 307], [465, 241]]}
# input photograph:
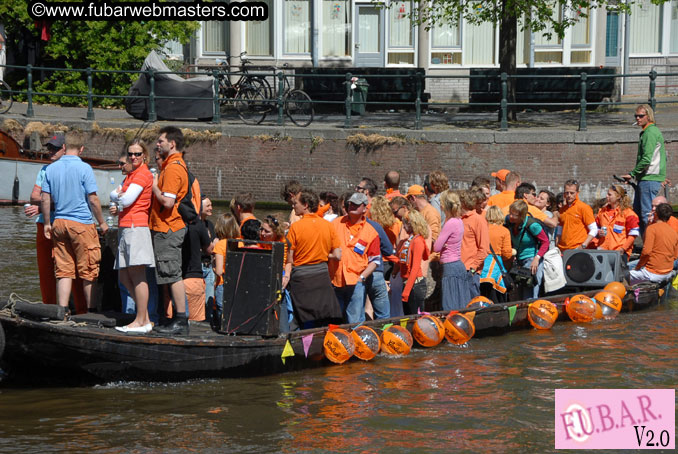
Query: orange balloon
{"points": [[459, 328], [617, 288], [610, 304], [581, 308], [396, 340], [542, 314], [338, 345], [428, 331], [366, 342], [479, 302]]}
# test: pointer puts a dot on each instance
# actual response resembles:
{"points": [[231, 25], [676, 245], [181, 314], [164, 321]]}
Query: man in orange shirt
{"points": [[500, 179], [579, 226], [417, 197], [167, 226], [672, 222], [288, 193], [242, 207], [475, 244], [660, 249], [360, 256], [391, 184], [507, 196], [312, 243], [528, 193]]}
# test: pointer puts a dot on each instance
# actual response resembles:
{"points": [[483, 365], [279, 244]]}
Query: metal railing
{"points": [[417, 81]]}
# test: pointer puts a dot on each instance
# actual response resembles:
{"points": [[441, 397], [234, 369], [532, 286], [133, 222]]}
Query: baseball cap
{"points": [[501, 174], [416, 189], [358, 198], [56, 141]]}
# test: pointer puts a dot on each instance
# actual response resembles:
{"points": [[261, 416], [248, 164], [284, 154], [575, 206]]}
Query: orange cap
{"points": [[501, 174], [416, 189]]}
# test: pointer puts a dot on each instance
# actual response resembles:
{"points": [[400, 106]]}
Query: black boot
{"points": [[179, 326]]}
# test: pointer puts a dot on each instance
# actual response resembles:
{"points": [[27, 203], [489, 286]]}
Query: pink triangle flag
{"points": [[306, 340]]}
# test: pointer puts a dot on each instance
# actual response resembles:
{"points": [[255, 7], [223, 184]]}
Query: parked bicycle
{"points": [[248, 94], [6, 99]]}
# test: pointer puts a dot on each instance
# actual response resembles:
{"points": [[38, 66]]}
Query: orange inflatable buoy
{"points": [[479, 302], [396, 340], [459, 328], [366, 342], [428, 331], [610, 304], [338, 345], [581, 308], [542, 314], [617, 288]]}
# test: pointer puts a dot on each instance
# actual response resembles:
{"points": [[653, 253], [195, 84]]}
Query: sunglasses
{"points": [[360, 188], [273, 220], [120, 163], [134, 155], [640, 115], [395, 210]]}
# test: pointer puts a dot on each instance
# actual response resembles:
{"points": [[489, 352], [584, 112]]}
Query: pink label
{"points": [[615, 418]]}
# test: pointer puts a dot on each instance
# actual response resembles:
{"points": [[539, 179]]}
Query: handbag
{"points": [[523, 276], [505, 275]]}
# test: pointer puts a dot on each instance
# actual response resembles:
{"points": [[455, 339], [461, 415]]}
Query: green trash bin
{"points": [[359, 97]]}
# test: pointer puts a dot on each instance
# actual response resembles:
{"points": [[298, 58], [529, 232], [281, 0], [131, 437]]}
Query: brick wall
{"points": [[240, 163]]}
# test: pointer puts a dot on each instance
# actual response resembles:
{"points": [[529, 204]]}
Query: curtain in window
{"points": [[258, 34], [479, 44], [400, 24], [297, 29], [581, 31], [336, 28], [646, 27], [213, 36], [541, 40], [674, 27], [445, 35]]}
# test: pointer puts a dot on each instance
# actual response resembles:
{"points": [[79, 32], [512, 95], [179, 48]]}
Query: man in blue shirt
{"points": [[70, 184]]}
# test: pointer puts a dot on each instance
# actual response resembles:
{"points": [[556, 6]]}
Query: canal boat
{"points": [[87, 349], [19, 168]]}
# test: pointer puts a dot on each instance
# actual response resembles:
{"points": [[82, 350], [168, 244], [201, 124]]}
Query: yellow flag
{"points": [[403, 322], [287, 351], [675, 282]]}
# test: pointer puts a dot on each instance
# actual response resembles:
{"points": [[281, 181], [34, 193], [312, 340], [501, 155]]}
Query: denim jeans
{"points": [[642, 202], [208, 276], [128, 304], [352, 301], [378, 293], [219, 301], [539, 277]]}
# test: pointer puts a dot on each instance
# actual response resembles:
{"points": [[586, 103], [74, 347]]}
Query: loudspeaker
{"points": [[252, 284], [592, 268]]}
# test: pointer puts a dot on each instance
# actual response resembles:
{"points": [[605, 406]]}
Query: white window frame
{"points": [[662, 41], [318, 18], [452, 50], [200, 42], [413, 49]]}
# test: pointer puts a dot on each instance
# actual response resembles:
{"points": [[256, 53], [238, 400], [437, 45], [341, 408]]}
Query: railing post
{"points": [[653, 85], [216, 116], [417, 103], [347, 118], [504, 102], [90, 101], [151, 96], [582, 103], [29, 91], [281, 90]]}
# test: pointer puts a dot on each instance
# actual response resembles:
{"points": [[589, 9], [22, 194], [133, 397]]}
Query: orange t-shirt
{"points": [[173, 182], [672, 222], [574, 219], [246, 217], [502, 199], [136, 215], [311, 239], [432, 217], [359, 244], [620, 226], [660, 248], [391, 193], [220, 249], [500, 240], [475, 244]]}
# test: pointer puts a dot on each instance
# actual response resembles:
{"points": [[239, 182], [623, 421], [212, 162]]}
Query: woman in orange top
{"points": [[225, 228], [500, 246], [411, 253], [381, 213], [618, 225]]}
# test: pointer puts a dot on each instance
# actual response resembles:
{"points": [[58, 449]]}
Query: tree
{"points": [[81, 44]]}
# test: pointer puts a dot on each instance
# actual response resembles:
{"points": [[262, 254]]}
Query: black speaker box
{"points": [[592, 268], [252, 283]]}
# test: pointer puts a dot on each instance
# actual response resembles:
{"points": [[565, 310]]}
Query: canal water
{"points": [[496, 394]]}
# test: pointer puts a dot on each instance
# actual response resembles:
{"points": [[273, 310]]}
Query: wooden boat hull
{"points": [[45, 352]]}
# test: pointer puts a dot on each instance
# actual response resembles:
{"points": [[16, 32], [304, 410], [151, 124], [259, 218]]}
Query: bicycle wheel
{"points": [[251, 105], [299, 107], [5, 97], [262, 84]]}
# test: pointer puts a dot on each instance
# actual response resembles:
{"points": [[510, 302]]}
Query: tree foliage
{"points": [[99, 45]]}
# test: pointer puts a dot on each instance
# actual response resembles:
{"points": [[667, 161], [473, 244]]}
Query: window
{"points": [[674, 27], [214, 37], [479, 44], [446, 44], [297, 26], [549, 50], [646, 27], [336, 28], [581, 38], [259, 34], [401, 34]]}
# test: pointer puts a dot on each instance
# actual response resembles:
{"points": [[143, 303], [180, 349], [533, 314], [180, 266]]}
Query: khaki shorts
{"points": [[167, 248], [77, 250]]}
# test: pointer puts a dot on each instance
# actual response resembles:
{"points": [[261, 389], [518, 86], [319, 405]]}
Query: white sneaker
{"points": [[136, 329]]}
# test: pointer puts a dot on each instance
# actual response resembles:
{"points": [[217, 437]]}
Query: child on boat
{"points": [[226, 228]]}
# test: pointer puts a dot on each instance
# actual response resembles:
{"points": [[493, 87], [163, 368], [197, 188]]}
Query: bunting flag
{"points": [[512, 313], [386, 326], [287, 351], [420, 312], [403, 322], [675, 282], [306, 340], [331, 327], [636, 292]]}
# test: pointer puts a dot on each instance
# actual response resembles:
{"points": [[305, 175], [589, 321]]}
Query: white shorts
{"points": [[135, 247], [643, 275]]}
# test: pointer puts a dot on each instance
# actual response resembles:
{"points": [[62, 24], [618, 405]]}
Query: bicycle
{"points": [[248, 94], [6, 99]]}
